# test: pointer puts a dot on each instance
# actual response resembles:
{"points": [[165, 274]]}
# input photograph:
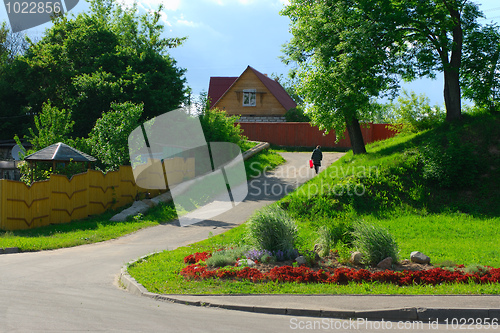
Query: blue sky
{"points": [[225, 36]]}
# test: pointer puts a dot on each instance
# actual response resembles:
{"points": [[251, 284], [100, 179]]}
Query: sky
{"points": [[225, 36]]}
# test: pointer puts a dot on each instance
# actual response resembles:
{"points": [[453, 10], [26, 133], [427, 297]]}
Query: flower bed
{"points": [[303, 274]]}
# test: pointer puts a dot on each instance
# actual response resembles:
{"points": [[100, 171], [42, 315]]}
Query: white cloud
{"points": [[167, 4], [170, 5], [187, 23], [248, 2]]}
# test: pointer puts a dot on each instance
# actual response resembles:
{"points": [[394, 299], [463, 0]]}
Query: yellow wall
{"points": [[267, 104], [60, 200]]}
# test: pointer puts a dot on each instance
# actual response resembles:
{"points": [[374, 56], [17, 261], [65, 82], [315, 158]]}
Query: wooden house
{"points": [[252, 94]]}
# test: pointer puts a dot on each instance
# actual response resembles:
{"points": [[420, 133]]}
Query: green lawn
{"points": [[433, 196]]}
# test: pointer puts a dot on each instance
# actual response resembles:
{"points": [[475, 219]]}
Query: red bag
{"points": [[311, 164]]}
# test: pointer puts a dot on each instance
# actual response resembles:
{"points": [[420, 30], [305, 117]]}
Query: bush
{"points": [[333, 232], [375, 243], [413, 113], [109, 137], [449, 162], [226, 257], [219, 127], [297, 115], [272, 229]]}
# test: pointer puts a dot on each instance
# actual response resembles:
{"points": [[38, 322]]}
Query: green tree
{"points": [[409, 39], [109, 137], [87, 62], [52, 125], [480, 71], [340, 56], [13, 116]]}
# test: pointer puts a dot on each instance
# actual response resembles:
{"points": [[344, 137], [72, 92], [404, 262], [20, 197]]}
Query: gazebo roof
{"points": [[59, 152]]}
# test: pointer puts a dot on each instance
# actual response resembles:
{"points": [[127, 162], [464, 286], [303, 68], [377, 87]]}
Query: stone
{"points": [[246, 262], [419, 258], [356, 257], [385, 264], [301, 260]]}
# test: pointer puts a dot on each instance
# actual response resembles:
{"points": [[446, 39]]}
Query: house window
{"points": [[249, 97]]}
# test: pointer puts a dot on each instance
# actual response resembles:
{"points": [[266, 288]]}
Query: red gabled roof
{"points": [[276, 89], [220, 85]]}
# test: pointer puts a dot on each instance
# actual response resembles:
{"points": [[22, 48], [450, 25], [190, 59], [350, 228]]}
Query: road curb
{"points": [[398, 314]]}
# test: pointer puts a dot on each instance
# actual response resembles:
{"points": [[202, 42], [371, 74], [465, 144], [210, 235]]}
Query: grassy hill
{"points": [[436, 192]]}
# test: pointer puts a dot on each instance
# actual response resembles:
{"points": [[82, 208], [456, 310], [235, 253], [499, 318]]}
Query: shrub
{"points": [[219, 127], [272, 229], [333, 232], [449, 162], [413, 113], [297, 115], [226, 257], [375, 243], [327, 239]]}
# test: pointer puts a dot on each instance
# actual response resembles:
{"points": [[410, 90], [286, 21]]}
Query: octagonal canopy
{"points": [[59, 152]]}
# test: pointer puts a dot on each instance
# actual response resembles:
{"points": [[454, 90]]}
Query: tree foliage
{"points": [[342, 59], [87, 62], [480, 71], [351, 50], [413, 113], [52, 125], [108, 139]]}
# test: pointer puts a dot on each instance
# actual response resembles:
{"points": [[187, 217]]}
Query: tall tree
{"points": [[342, 59], [383, 38], [109, 55], [481, 67], [434, 41]]}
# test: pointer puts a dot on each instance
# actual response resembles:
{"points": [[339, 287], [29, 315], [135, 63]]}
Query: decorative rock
{"points": [[385, 264], [419, 258], [301, 260], [246, 262], [356, 257]]}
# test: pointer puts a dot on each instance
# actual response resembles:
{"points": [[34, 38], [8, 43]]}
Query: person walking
{"points": [[317, 156]]}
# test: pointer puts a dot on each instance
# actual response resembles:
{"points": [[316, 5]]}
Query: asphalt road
{"points": [[76, 290]]}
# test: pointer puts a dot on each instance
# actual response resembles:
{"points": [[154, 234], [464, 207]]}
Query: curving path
{"points": [[75, 289]]}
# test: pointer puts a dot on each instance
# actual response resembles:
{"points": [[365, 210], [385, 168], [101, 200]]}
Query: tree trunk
{"points": [[452, 94], [355, 135]]}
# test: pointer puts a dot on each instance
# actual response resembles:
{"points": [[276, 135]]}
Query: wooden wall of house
{"points": [[266, 103]]}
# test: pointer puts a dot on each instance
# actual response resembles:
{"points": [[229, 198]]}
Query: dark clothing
{"points": [[317, 156]]}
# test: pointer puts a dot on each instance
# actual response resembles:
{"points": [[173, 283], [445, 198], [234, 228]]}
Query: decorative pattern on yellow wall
{"points": [[61, 200]]}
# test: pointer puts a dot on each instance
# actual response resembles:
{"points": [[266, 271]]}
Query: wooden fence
{"points": [[61, 200], [304, 135]]}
